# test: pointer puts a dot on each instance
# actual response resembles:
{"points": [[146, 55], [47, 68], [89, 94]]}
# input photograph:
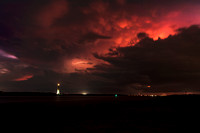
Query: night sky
{"points": [[101, 46]]}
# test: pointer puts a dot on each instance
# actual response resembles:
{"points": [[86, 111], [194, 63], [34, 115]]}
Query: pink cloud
{"points": [[7, 55]]}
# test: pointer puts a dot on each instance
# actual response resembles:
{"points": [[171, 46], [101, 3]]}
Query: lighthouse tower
{"points": [[58, 89]]}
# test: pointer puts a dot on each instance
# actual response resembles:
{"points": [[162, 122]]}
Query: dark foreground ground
{"points": [[99, 114]]}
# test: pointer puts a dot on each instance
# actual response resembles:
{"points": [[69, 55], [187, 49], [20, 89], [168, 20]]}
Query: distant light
{"points": [[58, 92], [84, 93], [58, 89], [149, 86], [115, 95], [153, 95]]}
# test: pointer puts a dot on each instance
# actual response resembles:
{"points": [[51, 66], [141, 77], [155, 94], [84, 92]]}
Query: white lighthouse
{"points": [[58, 89]]}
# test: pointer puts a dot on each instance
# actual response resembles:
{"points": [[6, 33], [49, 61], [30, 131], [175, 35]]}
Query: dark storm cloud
{"points": [[170, 64], [33, 32], [56, 30], [91, 37], [50, 36]]}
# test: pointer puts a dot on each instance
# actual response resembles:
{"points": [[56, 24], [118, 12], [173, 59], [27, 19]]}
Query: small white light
{"points": [[58, 92], [84, 93]]}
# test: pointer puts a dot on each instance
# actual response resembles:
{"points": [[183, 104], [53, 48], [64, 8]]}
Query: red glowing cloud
{"points": [[23, 78], [67, 30], [124, 25]]}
